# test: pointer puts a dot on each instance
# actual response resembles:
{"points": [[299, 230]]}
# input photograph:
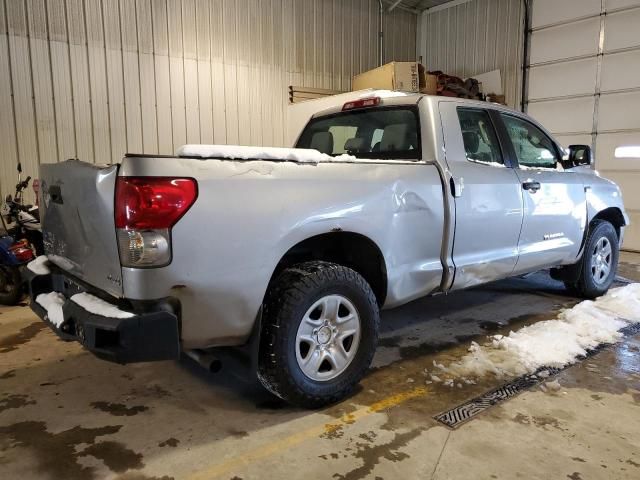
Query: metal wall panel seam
{"points": [[124, 95], [197, 72], [563, 60], [505, 52], [53, 93], [86, 40], [210, 39], [596, 103], [33, 93], [560, 97], [621, 9], [106, 70], [173, 145], [237, 64], [604, 12], [184, 75], [138, 53], [71, 76], [564, 22], [620, 130], [261, 36], [197, 60], [224, 78], [620, 90], [155, 79], [486, 37], [10, 63], [583, 57]]}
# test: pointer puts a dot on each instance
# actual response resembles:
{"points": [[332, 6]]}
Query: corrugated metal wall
{"points": [[476, 37], [94, 79]]}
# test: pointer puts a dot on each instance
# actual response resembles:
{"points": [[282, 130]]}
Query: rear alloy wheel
{"points": [[319, 333], [328, 338], [599, 261]]}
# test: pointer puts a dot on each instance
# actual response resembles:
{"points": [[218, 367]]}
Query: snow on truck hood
{"points": [[237, 152]]}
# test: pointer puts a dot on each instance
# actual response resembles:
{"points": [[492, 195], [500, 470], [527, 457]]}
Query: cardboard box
{"points": [[392, 76], [492, 97], [430, 84]]}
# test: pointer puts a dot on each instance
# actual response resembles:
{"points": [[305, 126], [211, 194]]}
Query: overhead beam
{"points": [[393, 5], [401, 6], [444, 6]]}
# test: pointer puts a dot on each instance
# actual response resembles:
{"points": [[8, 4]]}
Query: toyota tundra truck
{"points": [[290, 254]]}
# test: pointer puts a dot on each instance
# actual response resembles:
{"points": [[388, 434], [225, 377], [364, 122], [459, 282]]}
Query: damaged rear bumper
{"points": [[150, 335]]}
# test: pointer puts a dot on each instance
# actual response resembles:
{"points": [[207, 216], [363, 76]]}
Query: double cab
{"points": [[288, 255]]}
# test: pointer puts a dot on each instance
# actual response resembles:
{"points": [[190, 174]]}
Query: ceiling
{"points": [[418, 4]]}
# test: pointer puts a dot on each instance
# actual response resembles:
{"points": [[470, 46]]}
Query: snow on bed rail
{"points": [[39, 265], [237, 152], [98, 306], [550, 343], [52, 302]]}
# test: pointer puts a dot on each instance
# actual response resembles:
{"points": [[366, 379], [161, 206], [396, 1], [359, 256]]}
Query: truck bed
{"points": [[247, 215]]}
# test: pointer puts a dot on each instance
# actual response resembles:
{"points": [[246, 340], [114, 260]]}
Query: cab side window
{"points": [[532, 146], [479, 137]]}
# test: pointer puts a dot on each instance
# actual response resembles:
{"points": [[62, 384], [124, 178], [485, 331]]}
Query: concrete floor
{"points": [[66, 415]]}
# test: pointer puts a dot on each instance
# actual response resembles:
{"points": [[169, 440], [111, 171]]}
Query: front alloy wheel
{"points": [[601, 259]]}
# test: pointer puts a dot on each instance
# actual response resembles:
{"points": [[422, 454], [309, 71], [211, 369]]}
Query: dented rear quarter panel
{"points": [[248, 214]]}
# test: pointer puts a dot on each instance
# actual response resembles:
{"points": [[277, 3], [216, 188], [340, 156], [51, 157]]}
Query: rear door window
{"points": [[373, 133], [479, 137]]}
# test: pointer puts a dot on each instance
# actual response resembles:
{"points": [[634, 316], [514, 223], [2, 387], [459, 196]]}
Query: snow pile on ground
{"points": [[52, 302], [237, 152], [550, 343], [98, 306], [39, 265]]}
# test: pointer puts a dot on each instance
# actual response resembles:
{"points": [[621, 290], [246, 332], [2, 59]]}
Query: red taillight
{"points": [[363, 103], [22, 251], [152, 202]]}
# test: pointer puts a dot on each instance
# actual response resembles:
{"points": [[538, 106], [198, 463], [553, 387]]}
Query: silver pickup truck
{"points": [[289, 254]]}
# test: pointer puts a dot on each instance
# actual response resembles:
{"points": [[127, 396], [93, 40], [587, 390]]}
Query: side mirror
{"points": [[579, 155]]}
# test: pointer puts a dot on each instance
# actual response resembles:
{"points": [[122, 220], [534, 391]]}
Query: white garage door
{"points": [[584, 85]]}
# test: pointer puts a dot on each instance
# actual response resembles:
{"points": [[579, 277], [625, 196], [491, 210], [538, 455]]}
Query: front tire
{"points": [[319, 333], [10, 285], [599, 261]]}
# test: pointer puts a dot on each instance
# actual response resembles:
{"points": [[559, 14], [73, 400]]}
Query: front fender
{"points": [[601, 195]]}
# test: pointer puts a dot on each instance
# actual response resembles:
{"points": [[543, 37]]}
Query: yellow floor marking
{"points": [[297, 438]]}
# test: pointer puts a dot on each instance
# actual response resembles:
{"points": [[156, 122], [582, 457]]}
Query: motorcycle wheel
{"points": [[10, 285]]}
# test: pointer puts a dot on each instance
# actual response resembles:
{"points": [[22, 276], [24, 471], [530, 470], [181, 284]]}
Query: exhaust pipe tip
{"points": [[215, 365], [206, 360]]}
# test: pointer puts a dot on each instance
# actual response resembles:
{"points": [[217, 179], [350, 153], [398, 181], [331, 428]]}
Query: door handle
{"points": [[531, 186]]}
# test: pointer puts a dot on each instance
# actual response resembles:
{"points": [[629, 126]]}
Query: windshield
{"points": [[380, 133]]}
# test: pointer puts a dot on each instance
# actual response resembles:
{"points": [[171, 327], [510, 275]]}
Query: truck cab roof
{"points": [[394, 97]]}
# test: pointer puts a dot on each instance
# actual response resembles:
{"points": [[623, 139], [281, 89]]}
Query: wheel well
{"points": [[345, 248], [613, 215]]}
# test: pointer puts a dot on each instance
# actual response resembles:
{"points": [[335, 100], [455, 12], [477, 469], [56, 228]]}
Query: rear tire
{"points": [[10, 285], [319, 333], [599, 261]]}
